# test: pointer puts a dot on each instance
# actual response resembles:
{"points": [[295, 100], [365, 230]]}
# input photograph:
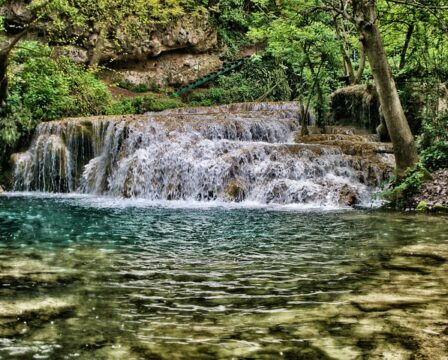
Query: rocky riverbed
{"points": [[399, 313], [433, 195]]}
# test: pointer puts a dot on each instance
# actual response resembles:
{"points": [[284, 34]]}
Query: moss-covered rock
{"points": [[422, 206], [235, 191], [356, 105]]}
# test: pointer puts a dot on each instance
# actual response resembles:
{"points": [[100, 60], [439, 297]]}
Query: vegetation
{"points": [[262, 79], [434, 142], [310, 48], [46, 87]]}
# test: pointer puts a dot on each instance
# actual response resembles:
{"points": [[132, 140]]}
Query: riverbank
{"points": [[433, 194]]}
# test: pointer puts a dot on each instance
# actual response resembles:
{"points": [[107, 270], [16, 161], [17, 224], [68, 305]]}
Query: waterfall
{"points": [[238, 152]]}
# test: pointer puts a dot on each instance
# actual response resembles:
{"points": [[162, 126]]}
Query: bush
{"points": [[433, 142], [142, 104], [256, 80], [138, 88], [400, 193], [44, 87]]}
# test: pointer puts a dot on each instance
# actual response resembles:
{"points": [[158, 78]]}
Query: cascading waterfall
{"points": [[239, 152]]}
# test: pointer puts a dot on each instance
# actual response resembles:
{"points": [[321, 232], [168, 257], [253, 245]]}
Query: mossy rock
{"points": [[436, 208], [235, 191], [422, 206]]}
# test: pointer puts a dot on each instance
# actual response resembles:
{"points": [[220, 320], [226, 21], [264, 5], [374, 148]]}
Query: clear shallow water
{"points": [[155, 282]]}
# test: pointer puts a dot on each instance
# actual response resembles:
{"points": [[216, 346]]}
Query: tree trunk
{"points": [[406, 46], [97, 51], [348, 66], [4, 58], [365, 17], [362, 64], [5, 52], [354, 78]]}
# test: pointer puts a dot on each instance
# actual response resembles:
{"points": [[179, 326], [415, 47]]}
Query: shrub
{"points": [[400, 192], [433, 142], [256, 80], [44, 87], [142, 104]]}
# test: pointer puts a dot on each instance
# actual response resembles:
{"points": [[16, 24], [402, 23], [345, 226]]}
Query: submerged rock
{"points": [[384, 301], [43, 309], [29, 273], [17, 316]]}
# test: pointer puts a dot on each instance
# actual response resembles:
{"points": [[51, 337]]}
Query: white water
{"points": [[236, 153]]}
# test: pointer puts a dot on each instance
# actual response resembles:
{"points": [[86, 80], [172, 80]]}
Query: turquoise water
{"points": [[156, 282]]}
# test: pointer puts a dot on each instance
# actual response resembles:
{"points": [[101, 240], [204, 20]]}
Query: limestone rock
{"points": [[235, 191], [77, 54], [42, 308], [348, 196], [188, 32], [192, 34], [356, 105], [171, 69]]}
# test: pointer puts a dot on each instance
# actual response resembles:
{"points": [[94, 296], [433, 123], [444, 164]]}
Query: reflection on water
{"points": [[92, 282]]}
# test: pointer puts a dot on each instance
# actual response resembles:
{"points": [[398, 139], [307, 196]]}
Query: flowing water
{"points": [[233, 153], [101, 278]]}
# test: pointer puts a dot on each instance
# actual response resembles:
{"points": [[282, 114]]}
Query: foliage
{"points": [[43, 87], [426, 27], [434, 142], [260, 79], [305, 44], [231, 18], [400, 191], [142, 104], [137, 88]]}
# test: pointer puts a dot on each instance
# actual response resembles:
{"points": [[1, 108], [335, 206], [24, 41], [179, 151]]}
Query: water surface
{"points": [[164, 282]]}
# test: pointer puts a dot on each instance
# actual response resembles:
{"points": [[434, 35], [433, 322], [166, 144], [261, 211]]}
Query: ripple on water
{"points": [[172, 283]]}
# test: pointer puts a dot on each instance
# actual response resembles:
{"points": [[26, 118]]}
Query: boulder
{"points": [[356, 105], [235, 191], [172, 69], [348, 196]]}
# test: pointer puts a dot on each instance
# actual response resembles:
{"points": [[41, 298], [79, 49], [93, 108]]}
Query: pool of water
{"points": [[96, 279]]}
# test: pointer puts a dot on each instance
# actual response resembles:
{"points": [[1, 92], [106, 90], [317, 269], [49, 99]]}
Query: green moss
{"points": [[422, 206]]}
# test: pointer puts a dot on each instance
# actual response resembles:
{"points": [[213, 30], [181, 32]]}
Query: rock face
{"points": [[190, 33], [357, 106], [162, 54], [193, 33], [170, 69]]}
